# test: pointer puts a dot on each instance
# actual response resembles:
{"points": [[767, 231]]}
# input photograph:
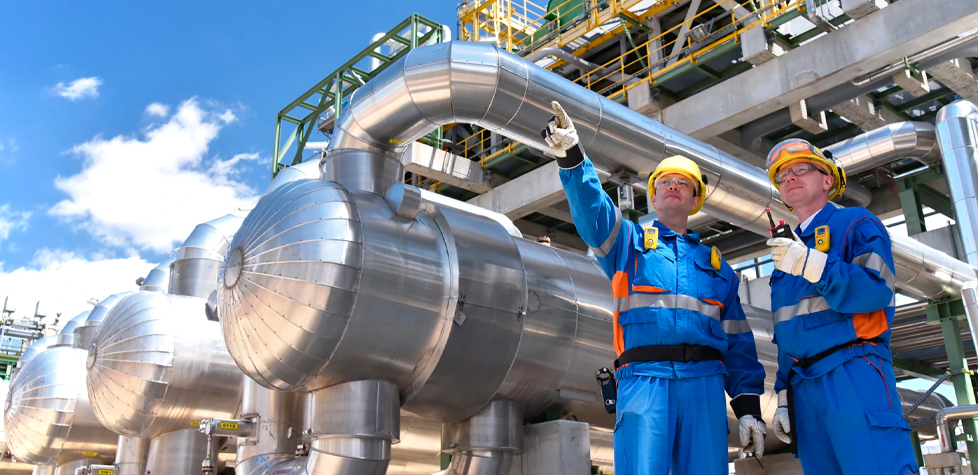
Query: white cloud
{"points": [[149, 192], [79, 88], [157, 109], [63, 282], [12, 221]]}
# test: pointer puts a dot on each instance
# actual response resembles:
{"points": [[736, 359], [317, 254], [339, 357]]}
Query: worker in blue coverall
{"points": [[832, 298], [680, 333]]}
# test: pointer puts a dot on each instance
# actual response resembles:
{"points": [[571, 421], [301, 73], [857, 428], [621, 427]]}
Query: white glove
{"points": [[781, 424], [798, 259], [752, 432], [560, 134]]}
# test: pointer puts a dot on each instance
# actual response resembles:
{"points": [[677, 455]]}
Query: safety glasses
{"points": [[681, 183], [797, 169]]}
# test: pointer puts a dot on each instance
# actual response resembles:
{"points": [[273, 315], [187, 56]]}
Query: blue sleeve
{"points": [[745, 374], [597, 218], [784, 365], [868, 282]]}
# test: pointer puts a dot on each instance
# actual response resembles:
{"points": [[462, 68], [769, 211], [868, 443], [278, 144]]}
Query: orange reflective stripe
{"points": [[619, 284], [714, 302], [619, 339], [870, 324], [619, 288], [648, 288]]}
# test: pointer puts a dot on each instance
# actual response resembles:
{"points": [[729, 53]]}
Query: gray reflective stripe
{"points": [[733, 327], [666, 301], [606, 246], [874, 261], [805, 307]]}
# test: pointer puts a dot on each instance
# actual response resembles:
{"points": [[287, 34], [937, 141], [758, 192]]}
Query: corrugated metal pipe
{"points": [[462, 82]]}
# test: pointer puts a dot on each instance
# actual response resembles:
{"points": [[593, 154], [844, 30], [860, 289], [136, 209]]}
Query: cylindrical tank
{"points": [[70, 468], [48, 418], [32, 351], [325, 284], [158, 279], [198, 260], [156, 365], [7, 464], [85, 332], [66, 337]]}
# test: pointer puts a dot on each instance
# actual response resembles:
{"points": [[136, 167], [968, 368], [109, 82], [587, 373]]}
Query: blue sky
{"points": [[123, 124]]}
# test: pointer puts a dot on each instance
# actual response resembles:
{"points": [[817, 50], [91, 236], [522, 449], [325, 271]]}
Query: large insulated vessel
{"points": [[327, 283], [48, 417], [157, 365]]}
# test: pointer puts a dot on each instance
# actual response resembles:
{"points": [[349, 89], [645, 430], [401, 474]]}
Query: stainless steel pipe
{"points": [[957, 128], [132, 455], [85, 332], [279, 415], [885, 145], [485, 443], [952, 414], [353, 425], [461, 82], [177, 452], [198, 260]]}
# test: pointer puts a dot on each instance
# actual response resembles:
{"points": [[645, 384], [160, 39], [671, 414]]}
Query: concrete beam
{"points": [[558, 239], [756, 47], [801, 118], [525, 194], [857, 9], [908, 81], [863, 112], [445, 167], [957, 76], [825, 63]]}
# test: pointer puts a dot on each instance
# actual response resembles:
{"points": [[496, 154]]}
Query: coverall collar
{"points": [[665, 231], [821, 218]]}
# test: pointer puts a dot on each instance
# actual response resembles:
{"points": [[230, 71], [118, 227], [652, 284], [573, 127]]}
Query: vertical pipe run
{"points": [[131, 455], [957, 132], [353, 425], [485, 443]]}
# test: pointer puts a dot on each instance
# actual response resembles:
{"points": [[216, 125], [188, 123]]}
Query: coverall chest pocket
{"points": [[654, 272], [711, 287]]}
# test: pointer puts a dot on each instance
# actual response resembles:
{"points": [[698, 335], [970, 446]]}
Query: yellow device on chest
{"points": [[715, 258], [651, 237], [822, 240]]}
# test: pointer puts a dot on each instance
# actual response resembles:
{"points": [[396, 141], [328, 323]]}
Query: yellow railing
{"points": [[478, 147], [521, 25], [513, 23], [653, 58]]}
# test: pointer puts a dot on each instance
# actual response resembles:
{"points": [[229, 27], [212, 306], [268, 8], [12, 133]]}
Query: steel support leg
{"points": [[963, 389]]}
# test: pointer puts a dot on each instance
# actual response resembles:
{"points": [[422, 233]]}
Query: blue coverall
{"points": [[848, 417], [671, 415]]}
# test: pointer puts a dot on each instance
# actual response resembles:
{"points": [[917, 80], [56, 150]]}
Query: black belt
{"points": [[681, 353], [806, 363]]}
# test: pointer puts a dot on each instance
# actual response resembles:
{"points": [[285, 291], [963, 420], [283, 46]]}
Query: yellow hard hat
{"points": [[793, 149], [685, 166]]}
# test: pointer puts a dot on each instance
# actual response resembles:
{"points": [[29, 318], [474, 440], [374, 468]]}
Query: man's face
{"points": [[675, 192], [808, 187]]}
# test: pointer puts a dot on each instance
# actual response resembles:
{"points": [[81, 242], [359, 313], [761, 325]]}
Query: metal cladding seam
{"points": [[886, 144], [301, 309], [156, 364], [461, 82], [48, 417]]}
